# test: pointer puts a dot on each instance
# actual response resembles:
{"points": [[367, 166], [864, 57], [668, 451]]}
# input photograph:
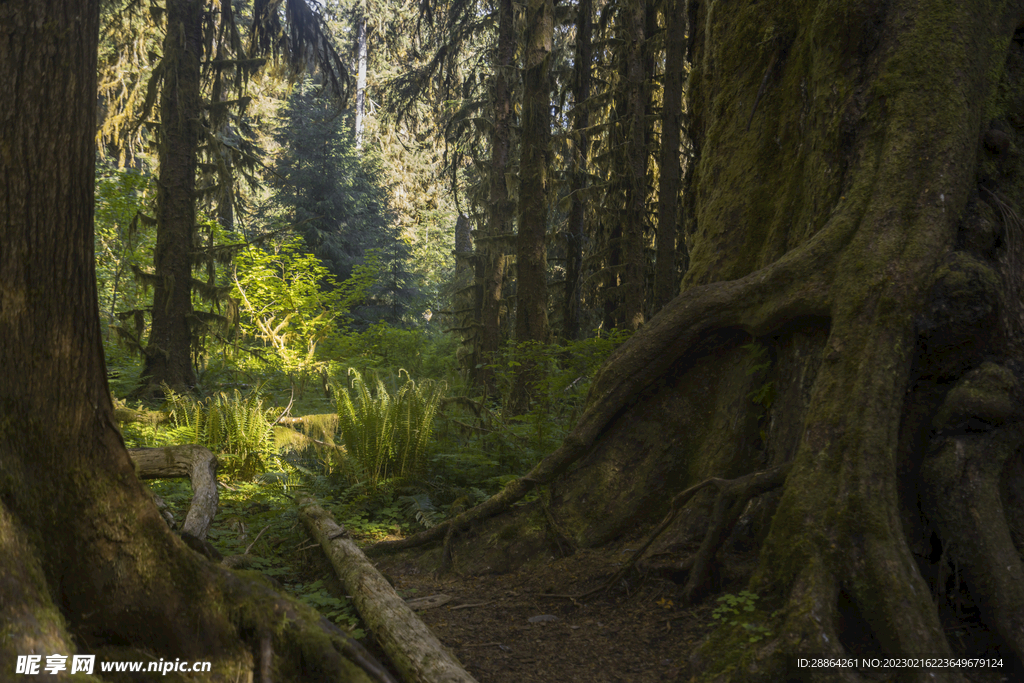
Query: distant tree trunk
{"points": [[361, 48], [226, 180], [624, 287], [493, 244], [850, 327], [531, 243], [467, 299], [580, 160], [169, 351], [86, 561], [634, 221], [666, 284]]}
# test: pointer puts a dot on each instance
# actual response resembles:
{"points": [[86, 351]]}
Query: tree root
{"points": [[963, 501], [795, 286], [733, 496]]}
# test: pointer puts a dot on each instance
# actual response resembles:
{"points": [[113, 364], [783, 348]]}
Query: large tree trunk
{"points": [[851, 319], [169, 351], [531, 240], [492, 245], [631, 289], [665, 277], [86, 562], [576, 229], [531, 253]]}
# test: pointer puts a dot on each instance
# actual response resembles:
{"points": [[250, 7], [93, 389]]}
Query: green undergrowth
{"points": [[264, 520], [388, 455]]}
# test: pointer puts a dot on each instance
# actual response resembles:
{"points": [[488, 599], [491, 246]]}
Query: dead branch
{"points": [[195, 462]]}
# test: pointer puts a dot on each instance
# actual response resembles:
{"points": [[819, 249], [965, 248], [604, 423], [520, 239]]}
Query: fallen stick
{"points": [[195, 462], [414, 650]]}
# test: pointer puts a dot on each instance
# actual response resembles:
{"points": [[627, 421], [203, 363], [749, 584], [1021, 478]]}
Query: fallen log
{"points": [[415, 651], [195, 462]]}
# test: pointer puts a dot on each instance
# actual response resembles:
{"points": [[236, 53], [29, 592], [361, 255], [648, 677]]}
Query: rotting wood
{"points": [[417, 654], [195, 462]]}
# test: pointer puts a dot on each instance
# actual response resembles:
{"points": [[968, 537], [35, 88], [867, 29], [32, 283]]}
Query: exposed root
{"points": [[732, 499], [561, 538], [448, 553], [792, 287], [733, 496], [963, 501]]}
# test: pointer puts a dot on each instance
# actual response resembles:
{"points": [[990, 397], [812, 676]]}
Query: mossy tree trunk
{"points": [[843, 142], [633, 131], [578, 215], [86, 562], [851, 317], [666, 283], [531, 239], [492, 246], [169, 351], [623, 290]]}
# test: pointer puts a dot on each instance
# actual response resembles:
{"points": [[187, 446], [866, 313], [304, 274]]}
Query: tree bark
{"points": [[531, 253], [531, 241], [492, 260], [666, 284], [576, 230], [86, 561], [631, 288], [169, 351]]}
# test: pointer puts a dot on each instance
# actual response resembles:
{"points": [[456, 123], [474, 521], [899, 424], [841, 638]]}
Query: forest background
{"points": [[829, 414], [373, 215]]}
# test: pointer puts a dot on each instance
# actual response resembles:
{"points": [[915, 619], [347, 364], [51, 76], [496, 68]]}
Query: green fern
{"points": [[422, 508], [234, 424], [386, 435]]}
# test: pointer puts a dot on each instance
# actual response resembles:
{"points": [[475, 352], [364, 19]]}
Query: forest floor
{"points": [[519, 627], [522, 626]]}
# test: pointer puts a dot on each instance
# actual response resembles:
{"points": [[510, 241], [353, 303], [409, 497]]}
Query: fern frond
{"points": [[422, 508]]}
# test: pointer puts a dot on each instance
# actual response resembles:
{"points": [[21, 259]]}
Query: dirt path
{"points": [[510, 629], [513, 628]]}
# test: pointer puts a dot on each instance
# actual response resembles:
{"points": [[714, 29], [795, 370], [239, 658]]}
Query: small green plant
{"points": [[421, 508], [736, 609], [386, 433], [338, 610], [290, 302]]}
